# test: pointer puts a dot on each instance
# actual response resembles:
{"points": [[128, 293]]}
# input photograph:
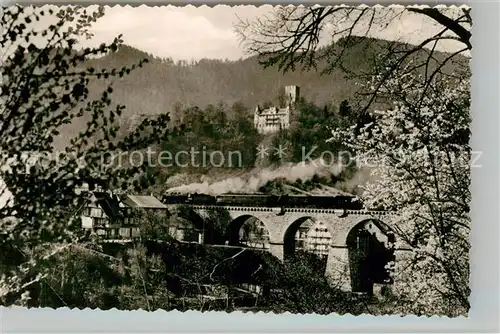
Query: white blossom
{"points": [[428, 185]]}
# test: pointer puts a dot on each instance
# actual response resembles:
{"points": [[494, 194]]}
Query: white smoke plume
{"points": [[355, 183], [251, 182]]}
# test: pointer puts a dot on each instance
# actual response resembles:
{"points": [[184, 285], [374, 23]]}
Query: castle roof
{"points": [[273, 111]]}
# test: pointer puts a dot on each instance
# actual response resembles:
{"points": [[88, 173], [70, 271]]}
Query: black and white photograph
{"points": [[301, 159]]}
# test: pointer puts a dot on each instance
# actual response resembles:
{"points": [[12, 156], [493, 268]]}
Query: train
{"points": [[262, 200]]}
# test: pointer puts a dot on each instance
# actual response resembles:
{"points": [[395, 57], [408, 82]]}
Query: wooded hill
{"points": [[161, 83], [164, 86]]}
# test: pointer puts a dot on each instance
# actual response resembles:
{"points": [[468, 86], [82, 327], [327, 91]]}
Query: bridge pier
{"points": [[276, 249], [337, 267]]}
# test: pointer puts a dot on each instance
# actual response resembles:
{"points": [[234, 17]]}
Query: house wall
{"points": [[87, 222], [318, 239]]}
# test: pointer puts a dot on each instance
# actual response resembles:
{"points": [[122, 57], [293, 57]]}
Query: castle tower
{"points": [[256, 117], [292, 95]]}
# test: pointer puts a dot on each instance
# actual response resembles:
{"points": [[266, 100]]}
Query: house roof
{"points": [[382, 226], [109, 204], [147, 202]]}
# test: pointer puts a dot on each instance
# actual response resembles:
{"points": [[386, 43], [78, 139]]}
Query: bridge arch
{"points": [[370, 245], [256, 234], [295, 238], [189, 225]]}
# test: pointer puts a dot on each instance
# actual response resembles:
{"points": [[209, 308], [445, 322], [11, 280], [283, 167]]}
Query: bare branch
{"points": [[447, 22]]}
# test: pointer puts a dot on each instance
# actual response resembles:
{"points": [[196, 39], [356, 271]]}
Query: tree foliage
{"points": [[421, 147], [292, 37], [419, 139], [222, 129], [45, 86]]}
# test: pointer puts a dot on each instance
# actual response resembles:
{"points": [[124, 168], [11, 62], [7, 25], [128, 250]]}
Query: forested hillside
{"points": [[161, 84], [164, 86], [215, 100]]}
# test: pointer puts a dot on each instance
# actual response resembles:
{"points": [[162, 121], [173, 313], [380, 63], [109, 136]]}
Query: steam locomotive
{"points": [[261, 200]]}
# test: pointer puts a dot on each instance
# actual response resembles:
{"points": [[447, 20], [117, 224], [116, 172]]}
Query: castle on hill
{"points": [[274, 119]]}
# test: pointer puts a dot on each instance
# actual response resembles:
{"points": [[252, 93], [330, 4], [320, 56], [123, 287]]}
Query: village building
{"points": [[115, 216], [314, 237]]}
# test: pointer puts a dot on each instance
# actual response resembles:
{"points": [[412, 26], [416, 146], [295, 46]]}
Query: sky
{"points": [[203, 32]]}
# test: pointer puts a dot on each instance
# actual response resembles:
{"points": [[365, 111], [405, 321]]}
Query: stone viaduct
{"points": [[283, 223]]}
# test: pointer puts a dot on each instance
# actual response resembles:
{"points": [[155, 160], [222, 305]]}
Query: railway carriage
{"points": [[261, 200]]}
